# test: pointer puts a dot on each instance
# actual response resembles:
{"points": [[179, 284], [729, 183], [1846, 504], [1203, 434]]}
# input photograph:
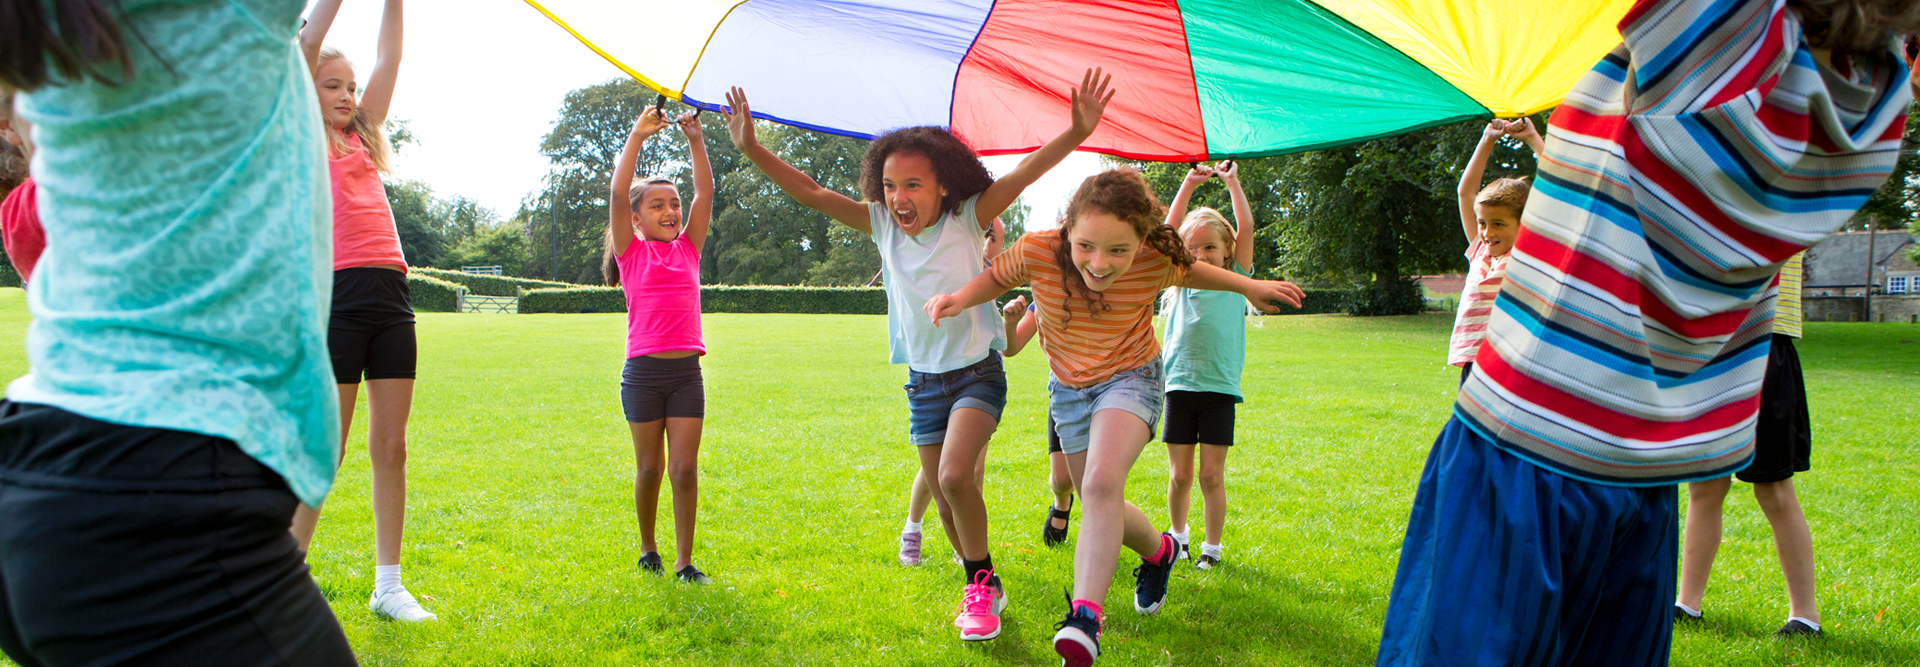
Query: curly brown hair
{"points": [[1853, 26], [955, 164], [1122, 193], [13, 161]]}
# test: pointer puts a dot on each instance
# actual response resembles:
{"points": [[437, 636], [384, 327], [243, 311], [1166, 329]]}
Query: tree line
{"points": [[1367, 215]]}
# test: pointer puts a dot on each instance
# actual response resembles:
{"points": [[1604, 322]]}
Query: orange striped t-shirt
{"points": [[1084, 349]]}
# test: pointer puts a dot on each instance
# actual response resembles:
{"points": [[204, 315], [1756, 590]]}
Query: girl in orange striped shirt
{"points": [[1094, 283]]}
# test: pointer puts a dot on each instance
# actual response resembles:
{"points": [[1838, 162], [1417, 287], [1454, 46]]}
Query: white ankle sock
{"points": [[386, 577], [1213, 550], [1695, 613], [1803, 619], [912, 527], [1178, 535]]}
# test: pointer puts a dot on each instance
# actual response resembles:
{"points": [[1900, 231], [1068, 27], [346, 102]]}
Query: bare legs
{"points": [[672, 446], [1107, 520], [922, 493], [389, 402], [1792, 541], [961, 465], [1213, 486]]}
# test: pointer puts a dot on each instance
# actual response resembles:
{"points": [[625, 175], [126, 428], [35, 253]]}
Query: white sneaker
{"points": [[399, 605]]}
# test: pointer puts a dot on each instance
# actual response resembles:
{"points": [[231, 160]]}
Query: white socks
{"points": [[1214, 550], [386, 577], [1802, 619], [1178, 535], [1689, 611], [912, 527]]}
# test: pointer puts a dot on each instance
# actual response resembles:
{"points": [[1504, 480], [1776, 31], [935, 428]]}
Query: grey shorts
{"points": [[1140, 391], [652, 388]]}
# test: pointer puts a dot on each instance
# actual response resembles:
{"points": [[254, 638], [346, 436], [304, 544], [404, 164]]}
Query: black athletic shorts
{"points": [[652, 388], [126, 545], [1053, 436], [1195, 417], [370, 332], [1782, 438]]}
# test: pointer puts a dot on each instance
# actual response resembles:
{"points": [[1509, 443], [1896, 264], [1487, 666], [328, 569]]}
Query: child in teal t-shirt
{"points": [[1206, 347]]}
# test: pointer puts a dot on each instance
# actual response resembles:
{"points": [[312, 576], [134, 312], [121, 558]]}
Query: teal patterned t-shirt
{"points": [[1206, 340], [187, 273]]}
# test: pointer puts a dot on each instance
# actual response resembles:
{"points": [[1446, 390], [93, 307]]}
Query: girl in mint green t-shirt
{"points": [[1206, 347]]}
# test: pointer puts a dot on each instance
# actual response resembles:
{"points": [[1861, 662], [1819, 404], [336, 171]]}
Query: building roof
{"points": [[1841, 260]]}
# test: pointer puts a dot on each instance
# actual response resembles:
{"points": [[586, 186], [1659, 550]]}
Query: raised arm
{"points": [[1021, 325], [314, 34], [1524, 130], [1089, 101], [1259, 292], [1470, 178], [801, 187], [981, 289], [1177, 210], [620, 196], [700, 214], [377, 96], [1242, 217]]}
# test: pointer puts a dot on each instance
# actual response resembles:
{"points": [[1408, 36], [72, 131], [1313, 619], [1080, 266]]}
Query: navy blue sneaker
{"points": [[1078, 637], [1150, 579]]}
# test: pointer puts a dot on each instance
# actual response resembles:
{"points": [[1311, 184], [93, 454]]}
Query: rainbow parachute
{"points": [[1197, 79]]}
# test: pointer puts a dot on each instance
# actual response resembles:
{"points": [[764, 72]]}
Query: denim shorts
{"points": [[931, 397], [1139, 391]]}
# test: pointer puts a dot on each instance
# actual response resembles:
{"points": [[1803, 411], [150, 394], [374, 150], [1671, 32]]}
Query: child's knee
{"points": [[682, 474], [1212, 478]]}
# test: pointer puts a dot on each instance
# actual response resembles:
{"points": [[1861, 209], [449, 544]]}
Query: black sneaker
{"points": [[1798, 628], [1681, 615], [1150, 580], [650, 562], [1078, 637], [1050, 535], [692, 575]]}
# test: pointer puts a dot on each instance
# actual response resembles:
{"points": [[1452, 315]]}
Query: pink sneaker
{"points": [[910, 549], [980, 607]]}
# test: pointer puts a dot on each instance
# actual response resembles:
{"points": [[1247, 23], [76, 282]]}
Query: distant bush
{"points": [[432, 294], [490, 285]]}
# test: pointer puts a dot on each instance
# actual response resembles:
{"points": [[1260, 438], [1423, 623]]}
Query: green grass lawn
{"points": [[521, 533]]}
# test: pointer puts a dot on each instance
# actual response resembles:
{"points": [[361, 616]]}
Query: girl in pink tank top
{"points": [[653, 252], [370, 334]]}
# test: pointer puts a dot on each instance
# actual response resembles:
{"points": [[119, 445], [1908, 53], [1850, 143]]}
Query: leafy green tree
{"points": [[422, 237], [1895, 204], [758, 235], [1362, 215], [501, 245]]}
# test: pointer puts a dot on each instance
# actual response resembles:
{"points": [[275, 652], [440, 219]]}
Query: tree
{"points": [[759, 235], [499, 245], [1367, 214], [1894, 205], [422, 238]]}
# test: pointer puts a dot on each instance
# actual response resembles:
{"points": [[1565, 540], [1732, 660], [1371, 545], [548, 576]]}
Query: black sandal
{"points": [[1053, 536]]}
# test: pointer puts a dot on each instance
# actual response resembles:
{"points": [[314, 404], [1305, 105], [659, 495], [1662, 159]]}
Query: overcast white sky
{"points": [[482, 82]]}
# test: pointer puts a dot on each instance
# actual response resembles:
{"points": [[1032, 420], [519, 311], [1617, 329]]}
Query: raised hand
{"points": [[1264, 291], [649, 122], [1014, 309], [740, 119], [1522, 129], [1199, 173], [942, 306], [1496, 128], [689, 123], [1090, 101], [1228, 171]]}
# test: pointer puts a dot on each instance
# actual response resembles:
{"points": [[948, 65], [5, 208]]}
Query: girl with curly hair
{"points": [[1094, 282], [930, 204]]}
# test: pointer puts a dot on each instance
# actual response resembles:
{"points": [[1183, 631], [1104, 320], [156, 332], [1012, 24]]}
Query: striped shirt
{"points": [[1786, 306], [1476, 303], [1085, 349], [1631, 335]]}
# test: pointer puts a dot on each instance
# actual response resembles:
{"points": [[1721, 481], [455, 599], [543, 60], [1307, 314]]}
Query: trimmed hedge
{"points": [[490, 285], [719, 299], [574, 300], [432, 294]]}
